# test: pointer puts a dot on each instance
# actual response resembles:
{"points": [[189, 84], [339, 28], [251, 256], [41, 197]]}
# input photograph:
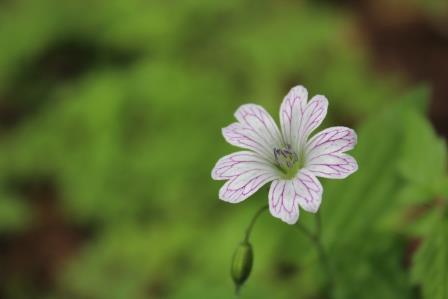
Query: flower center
{"points": [[287, 161]]}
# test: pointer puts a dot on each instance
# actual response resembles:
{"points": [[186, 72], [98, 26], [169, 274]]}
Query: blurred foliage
{"points": [[430, 263], [436, 9], [118, 107], [369, 199]]}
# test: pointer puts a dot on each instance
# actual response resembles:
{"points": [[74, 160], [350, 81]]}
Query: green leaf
{"points": [[430, 268], [354, 210], [423, 158], [422, 166], [357, 204]]}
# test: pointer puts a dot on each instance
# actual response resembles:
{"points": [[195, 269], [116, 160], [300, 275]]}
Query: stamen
{"points": [[285, 157]]}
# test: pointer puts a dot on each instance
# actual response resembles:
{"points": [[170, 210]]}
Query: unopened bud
{"points": [[242, 263]]}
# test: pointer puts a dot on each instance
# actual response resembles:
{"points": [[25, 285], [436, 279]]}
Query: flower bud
{"points": [[242, 263]]}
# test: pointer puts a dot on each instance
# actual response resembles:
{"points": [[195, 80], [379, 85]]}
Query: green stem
{"points": [[252, 222], [315, 238]]}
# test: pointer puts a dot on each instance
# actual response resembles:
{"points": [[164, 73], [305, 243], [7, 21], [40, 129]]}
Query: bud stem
{"points": [[252, 222], [243, 257]]}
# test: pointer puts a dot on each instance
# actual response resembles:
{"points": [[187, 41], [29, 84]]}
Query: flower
{"points": [[287, 157]]}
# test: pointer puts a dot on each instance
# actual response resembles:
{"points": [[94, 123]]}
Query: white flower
{"points": [[286, 157]]}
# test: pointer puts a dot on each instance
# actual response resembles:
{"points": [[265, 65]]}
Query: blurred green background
{"points": [[110, 118]]}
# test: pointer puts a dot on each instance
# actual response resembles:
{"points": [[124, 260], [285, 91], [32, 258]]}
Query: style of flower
{"points": [[287, 157]]}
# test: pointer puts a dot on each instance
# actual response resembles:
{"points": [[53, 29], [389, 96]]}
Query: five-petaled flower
{"points": [[286, 157]]}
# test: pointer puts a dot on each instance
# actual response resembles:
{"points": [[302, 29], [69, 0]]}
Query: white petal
{"points": [[236, 163], [283, 201], [309, 191], [259, 120], [324, 154], [313, 115], [256, 130], [299, 118], [246, 172], [285, 196], [291, 111]]}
